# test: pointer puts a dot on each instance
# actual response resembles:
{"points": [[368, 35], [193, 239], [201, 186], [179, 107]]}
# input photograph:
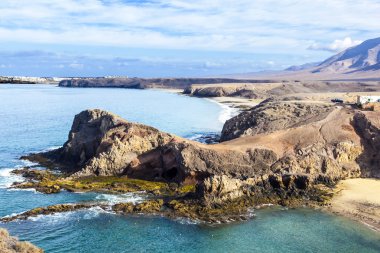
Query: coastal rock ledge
{"points": [[284, 166]]}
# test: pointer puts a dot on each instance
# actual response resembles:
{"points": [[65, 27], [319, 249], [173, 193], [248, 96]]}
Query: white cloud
{"points": [[228, 25], [76, 65], [336, 45]]}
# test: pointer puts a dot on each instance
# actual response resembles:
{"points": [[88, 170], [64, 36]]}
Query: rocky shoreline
{"points": [[29, 80], [216, 182]]}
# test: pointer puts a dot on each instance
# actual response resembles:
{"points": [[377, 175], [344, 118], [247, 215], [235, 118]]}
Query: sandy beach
{"points": [[358, 199], [237, 102]]}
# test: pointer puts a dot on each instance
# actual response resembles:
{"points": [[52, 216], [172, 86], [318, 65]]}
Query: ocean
{"points": [[38, 117]]}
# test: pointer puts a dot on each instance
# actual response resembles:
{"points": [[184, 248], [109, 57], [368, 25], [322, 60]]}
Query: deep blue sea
{"points": [[38, 117]]}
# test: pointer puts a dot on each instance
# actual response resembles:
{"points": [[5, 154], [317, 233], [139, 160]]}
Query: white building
{"points": [[367, 99]]}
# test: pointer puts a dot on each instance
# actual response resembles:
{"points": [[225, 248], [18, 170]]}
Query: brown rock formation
{"points": [[101, 143], [367, 125], [291, 151]]}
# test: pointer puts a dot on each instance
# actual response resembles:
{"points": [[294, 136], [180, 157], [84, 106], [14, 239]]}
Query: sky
{"points": [[172, 38]]}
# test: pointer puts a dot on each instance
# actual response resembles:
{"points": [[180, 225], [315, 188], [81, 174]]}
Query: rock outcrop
{"points": [[291, 150], [9, 244], [272, 115], [220, 90], [103, 144], [367, 125]]}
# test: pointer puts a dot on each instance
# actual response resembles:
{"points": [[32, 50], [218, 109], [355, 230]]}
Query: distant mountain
{"points": [[303, 66], [356, 63], [364, 57]]}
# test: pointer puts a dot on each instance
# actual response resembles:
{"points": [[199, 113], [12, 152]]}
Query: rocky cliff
{"points": [[283, 157], [367, 125], [101, 143]]}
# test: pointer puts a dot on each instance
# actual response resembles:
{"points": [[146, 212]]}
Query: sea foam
{"points": [[7, 178], [227, 111], [120, 198]]}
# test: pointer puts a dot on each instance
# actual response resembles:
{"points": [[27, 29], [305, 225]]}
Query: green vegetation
{"points": [[47, 182]]}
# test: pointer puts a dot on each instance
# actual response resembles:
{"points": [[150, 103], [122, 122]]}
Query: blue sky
{"points": [[157, 38]]}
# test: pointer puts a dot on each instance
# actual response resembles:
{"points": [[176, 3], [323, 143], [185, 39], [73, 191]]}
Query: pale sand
{"points": [[168, 90], [358, 199], [237, 102]]}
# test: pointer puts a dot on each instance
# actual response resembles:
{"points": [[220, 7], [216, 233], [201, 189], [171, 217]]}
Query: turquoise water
{"points": [[35, 118]]}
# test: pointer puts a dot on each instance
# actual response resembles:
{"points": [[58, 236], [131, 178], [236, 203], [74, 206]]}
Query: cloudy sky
{"points": [[150, 38]]}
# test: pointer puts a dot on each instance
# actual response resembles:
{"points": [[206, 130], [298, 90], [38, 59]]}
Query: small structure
{"points": [[369, 102], [362, 100]]}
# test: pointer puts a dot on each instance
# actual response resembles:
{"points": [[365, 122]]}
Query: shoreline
{"points": [[358, 199], [350, 197], [230, 105], [354, 213], [351, 204]]}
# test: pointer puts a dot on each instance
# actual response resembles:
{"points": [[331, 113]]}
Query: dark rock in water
{"points": [[208, 138], [60, 208]]}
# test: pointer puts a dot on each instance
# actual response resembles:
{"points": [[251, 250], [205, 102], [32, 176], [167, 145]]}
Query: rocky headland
{"points": [[278, 152]]}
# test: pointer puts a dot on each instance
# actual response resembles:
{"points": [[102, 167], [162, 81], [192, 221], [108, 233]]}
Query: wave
{"points": [[227, 111], [25, 190], [195, 137], [7, 178], [120, 198], [187, 221], [54, 218], [26, 163], [50, 148], [86, 214], [43, 150]]}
